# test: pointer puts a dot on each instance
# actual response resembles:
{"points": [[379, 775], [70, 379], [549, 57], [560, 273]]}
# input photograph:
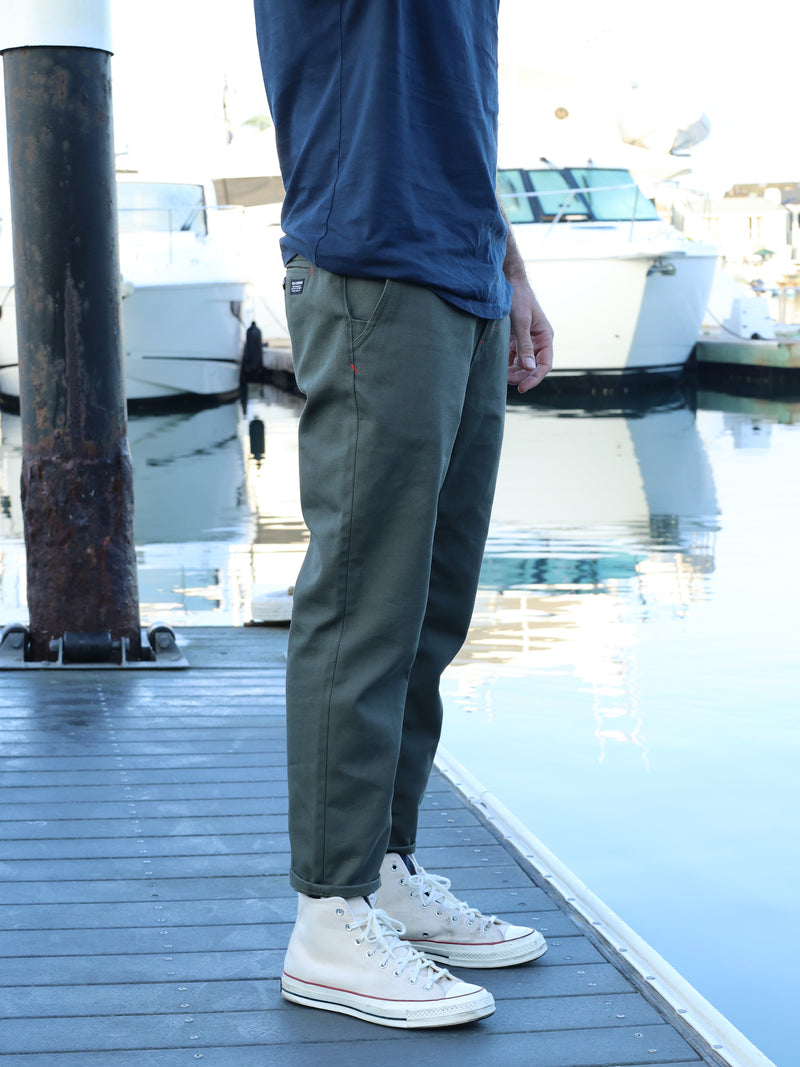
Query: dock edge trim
{"points": [[702, 1017]]}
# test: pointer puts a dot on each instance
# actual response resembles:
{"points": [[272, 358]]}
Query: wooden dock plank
{"points": [[311, 1055], [236, 1026], [145, 906], [86, 829], [76, 916]]}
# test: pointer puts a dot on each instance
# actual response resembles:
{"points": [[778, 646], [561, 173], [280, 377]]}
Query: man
{"points": [[398, 291]]}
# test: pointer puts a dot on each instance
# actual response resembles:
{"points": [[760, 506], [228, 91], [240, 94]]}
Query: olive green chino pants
{"points": [[399, 446]]}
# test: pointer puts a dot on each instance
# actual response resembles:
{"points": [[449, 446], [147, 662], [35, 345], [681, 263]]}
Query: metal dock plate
{"points": [[95, 651]]}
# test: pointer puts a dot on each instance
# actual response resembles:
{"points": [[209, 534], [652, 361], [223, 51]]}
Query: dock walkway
{"points": [[146, 908]]}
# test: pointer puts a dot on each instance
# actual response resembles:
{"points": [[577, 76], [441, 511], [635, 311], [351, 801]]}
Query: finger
{"points": [[532, 379], [544, 353], [518, 375], [525, 352], [517, 372], [521, 342], [544, 364]]}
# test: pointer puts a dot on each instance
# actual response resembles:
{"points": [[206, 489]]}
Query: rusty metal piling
{"points": [[77, 477]]}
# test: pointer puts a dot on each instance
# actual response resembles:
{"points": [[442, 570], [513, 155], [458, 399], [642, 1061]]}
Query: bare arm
{"points": [[530, 355]]}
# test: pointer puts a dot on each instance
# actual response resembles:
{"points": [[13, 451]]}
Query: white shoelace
{"points": [[433, 889], [385, 933]]}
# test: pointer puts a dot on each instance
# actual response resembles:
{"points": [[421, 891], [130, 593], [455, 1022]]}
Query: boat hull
{"points": [[185, 339], [673, 306], [593, 305], [180, 341], [622, 314], [9, 367]]}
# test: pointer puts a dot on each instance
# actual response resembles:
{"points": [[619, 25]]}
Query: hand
{"points": [[530, 349]]}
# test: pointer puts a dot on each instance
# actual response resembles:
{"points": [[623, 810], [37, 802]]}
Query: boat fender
{"points": [[253, 362], [257, 434]]}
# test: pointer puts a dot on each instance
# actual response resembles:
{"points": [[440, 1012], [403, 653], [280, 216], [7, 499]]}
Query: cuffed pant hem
{"points": [[312, 889], [401, 850]]}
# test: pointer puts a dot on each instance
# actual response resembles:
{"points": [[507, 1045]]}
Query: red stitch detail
{"points": [[355, 368]]}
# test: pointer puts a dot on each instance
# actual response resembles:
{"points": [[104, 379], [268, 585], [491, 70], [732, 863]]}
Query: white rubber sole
{"points": [[403, 1014], [501, 954]]}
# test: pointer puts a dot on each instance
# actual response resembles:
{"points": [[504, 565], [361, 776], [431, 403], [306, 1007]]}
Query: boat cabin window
{"points": [[575, 194], [613, 195], [557, 196], [514, 196], [161, 207]]}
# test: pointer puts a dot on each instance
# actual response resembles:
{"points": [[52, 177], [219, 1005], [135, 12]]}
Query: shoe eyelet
{"points": [[453, 918], [348, 927], [440, 913], [402, 881], [428, 987], [412, 981], [339, 911], [395, 866], [470, 924], [424, 904], [424, 934], [397, 974], [383, 965], [370, 954]]}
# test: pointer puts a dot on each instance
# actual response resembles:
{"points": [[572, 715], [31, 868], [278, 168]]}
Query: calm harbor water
{"points": [[629, 688]]}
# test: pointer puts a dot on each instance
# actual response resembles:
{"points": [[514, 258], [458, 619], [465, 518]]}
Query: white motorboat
{"points": [[624, 290], [186, 296]]}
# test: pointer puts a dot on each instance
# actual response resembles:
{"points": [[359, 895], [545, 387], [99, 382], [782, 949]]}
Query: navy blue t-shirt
{"points": [[385, 115]]}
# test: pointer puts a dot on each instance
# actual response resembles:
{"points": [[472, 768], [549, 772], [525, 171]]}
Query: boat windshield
{"points": [[161, 207], [575, 194]]}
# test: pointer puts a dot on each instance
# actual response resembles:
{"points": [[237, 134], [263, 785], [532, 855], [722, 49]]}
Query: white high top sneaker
{"points": [[347, 956], [447, 929]]}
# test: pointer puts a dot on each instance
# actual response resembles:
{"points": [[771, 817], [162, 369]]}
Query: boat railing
{"points": [[179, 221], [569, 193]]}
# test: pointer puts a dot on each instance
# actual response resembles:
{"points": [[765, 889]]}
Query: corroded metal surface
{"points": [[81, 558], [76, 475]]}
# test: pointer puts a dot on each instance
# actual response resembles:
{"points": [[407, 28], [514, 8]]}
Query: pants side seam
{"points": [[345, 606]]}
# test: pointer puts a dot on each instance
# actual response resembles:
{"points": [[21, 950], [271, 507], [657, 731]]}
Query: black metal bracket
{"points": [[94, 651]]}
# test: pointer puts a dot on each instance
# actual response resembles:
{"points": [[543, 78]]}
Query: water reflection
{"points": [[589, 506], [749, 421], [584, 505], [216, 509], [764, 412], [599, 521], [597, 516], [189, 477]]}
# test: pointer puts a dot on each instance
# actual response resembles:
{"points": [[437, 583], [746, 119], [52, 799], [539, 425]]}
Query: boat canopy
{"points": [[161, 207], [574, 194]]}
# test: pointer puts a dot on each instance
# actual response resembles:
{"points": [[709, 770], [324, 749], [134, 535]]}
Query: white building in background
{"points": [[757, 231], [752, 225]]}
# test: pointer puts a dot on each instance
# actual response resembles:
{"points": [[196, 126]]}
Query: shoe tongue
{"points": [[409, 862], [360, 907]]}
